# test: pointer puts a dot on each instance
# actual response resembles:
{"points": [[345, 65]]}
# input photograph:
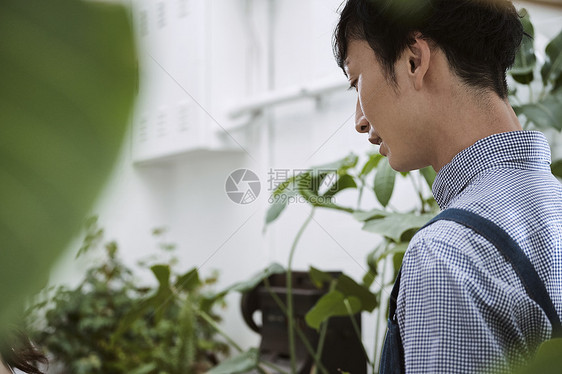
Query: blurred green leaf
{"points": [[371, 163], [242, 363], [556, 168], [371, 214], [552, 67], [162, 274], [547, 359], [330, 305], [349, 288], [397, 261], [525, 59], [340, 166], [68, 73], [384, 182], [393, 250], [278, 203], [188, 281], [546, 113], [251, 283], [429, 175], [395, 224], [343, 182], [319, 277]]}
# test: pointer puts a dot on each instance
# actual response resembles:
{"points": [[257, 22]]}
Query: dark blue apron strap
{"points": [[513, 253]]}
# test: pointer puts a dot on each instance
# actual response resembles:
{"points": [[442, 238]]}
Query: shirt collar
{"points": [[517, 149]]}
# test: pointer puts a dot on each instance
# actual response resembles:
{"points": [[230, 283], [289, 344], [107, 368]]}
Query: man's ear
{"points": [[418, 57]]}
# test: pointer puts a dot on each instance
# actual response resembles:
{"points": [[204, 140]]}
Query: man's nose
{"points": [[361, 123]]}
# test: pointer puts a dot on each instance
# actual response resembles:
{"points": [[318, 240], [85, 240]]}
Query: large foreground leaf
{"points": [[68, 73]]}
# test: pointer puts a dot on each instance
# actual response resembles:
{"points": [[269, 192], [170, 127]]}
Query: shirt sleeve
{"points": [[455, 315]]}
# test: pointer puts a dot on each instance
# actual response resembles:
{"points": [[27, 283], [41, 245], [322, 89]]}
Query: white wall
{"points": [[249, 53]]}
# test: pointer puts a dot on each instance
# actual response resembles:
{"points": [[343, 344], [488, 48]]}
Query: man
{"points": [[431, 84]]}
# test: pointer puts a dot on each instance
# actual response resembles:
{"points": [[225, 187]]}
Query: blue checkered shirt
{"points": [[461, 306]]}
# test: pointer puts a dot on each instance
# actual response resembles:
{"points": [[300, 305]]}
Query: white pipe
{"points": [[274, 98]]}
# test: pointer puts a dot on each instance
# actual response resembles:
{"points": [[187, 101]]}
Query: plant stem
{"points": [[360, 193], [273, 366], [290, 311], [531, 99], [301, 335], [322, 338], [379, 314], [417, 188], [356, 329], [214, 325]]}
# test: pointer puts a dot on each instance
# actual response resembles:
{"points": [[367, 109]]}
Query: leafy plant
{"points": [[108, 324], [542, 111]]}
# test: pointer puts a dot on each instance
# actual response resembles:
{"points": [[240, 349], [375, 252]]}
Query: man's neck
{"points": [[477, 117]]}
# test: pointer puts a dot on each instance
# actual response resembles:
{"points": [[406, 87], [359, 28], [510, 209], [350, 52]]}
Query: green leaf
{"points": [[371, 214], [319, 277], [547, 359], [349, 288], [429, 175], [371, 163], [556, 168], [546, 113], [393, 250], [395, 224], [69, 78], [278, 203], [251, 283], [525, 59], [340, 166], [372, 262], [552, 67], [242, 363], [162, 274], [343, 182], [397, 262], [188, 281], [330, 305], [384, 182]]}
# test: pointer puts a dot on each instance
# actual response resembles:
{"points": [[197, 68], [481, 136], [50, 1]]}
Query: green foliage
{"points": [[384, 182], [241, 363], [108, 324], [330, 305], [525, 59], [68, 73], [543, 111], [346, 297]]}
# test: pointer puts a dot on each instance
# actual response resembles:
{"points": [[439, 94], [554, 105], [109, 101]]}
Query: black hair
{"points": [[17, 351], [479, 37]]}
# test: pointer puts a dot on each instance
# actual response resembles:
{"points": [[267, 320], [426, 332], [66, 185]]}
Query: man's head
{"points": [[478, 37], [430, 74]]}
